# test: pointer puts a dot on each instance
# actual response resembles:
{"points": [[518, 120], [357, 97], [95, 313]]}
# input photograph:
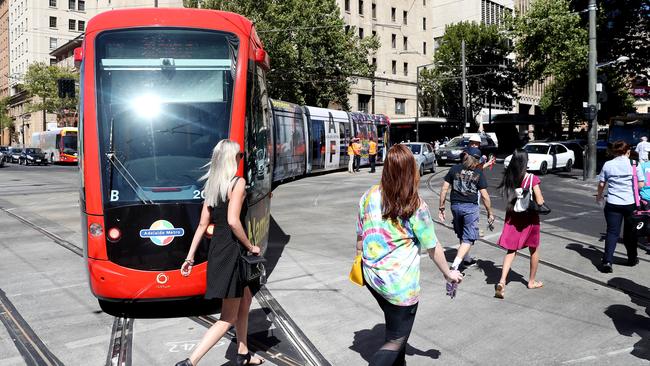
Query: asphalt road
{"points": [[581, 316]]}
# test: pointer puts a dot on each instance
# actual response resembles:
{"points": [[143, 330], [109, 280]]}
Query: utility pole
{"points": [[592, 110], [417, 104], [464, 83]]}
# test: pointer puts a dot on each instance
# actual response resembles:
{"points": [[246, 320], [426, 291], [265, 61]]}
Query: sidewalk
{"points": [[575, 318]]}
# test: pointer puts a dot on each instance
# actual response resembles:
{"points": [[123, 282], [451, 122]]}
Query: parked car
{"points": [[545, 156], [32, 155], [450, 153], [2, 159], [424, 155], [4, 151], [13, 154], [578, 148]]}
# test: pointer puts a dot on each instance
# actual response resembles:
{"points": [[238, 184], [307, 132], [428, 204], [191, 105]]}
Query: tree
{"points": [[490, 78], [41, 81], [551, 43], [313, 56]]}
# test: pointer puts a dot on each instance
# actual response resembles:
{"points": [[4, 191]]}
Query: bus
{"points": [[59, 144]]}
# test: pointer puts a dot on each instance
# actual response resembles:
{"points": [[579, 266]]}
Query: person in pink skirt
{"points": [[521, 229]]}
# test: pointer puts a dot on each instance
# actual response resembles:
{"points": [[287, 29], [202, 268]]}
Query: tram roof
{"points": [[171, 17]]}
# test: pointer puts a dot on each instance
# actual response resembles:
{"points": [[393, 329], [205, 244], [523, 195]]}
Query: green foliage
{"points": [[5, 119], [549, 41], [312, 56], [485, 49], [41, 81]]}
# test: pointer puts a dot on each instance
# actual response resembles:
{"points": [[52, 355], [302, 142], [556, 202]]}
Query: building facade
{"points": [[35, 29], [404, 30]]}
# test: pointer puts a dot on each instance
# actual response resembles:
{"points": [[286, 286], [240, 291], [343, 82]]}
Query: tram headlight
{"points": [[209, 231], [96, 230], [114, 234], [146, 106]]}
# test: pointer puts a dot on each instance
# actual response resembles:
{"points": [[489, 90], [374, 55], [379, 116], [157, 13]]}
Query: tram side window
{"points": [[344, 136], [259, 135]]}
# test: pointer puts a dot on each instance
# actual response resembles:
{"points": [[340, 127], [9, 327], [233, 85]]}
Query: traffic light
{"points": [[66, 88]]}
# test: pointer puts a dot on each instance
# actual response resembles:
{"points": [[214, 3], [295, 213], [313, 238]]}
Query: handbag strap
{"points": [[635, 184]]}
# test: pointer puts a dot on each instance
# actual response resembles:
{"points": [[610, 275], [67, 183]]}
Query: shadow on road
{"points": [[626, 319], [493, 273], [278, 239], [594, 254], [367, 341]]}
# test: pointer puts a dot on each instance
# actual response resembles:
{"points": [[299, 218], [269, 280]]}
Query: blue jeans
{"points": [[615, 215], [466, 216]]}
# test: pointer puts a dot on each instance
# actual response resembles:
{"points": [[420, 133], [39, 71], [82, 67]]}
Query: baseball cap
{"points": [[473, 151], [475, 138]]}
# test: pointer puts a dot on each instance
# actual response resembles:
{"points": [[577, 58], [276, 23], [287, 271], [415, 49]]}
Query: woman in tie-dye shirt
{"points": [[394, 223]]}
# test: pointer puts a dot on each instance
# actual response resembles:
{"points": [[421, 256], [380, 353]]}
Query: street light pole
{"points": [[592, 105], [464, 83]]}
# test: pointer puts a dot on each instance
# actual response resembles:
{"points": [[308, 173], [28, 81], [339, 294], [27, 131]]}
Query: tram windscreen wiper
{"points": [[124, 172]]}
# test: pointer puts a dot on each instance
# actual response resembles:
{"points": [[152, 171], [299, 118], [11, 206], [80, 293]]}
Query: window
{"points": [[52, 43], [81, 5], [424, 23], [393, 40], [374, 11], [364, 100], [394, 67], [405, 15], [360, 32], [81, 26], [53, 3], [406, 69], [360, 7], [347, 29], [374, 62], [259, 138], [424, 48], [406, 43], [400, 106], [374, 33], [72, 24], [52, 61], [72, 4], [347, 5], [52, 22], [424, 2], [392, 14]]}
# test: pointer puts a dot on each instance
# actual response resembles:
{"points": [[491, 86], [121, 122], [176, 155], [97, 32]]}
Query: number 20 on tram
{"points": [[159, 89]]}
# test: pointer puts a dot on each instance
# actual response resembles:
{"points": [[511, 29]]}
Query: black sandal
{"points": [[245, 359], [185, 362]]}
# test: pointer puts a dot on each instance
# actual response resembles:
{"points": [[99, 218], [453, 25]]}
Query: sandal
{"points": [[499, 290], [245, 359], [535, 285]]}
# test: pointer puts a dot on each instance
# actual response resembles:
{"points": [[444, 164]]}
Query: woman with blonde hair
{"points": [[393, 224], [225, 194]]}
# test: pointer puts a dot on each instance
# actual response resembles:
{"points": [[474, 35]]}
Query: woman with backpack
{"points": [[521, 229]]}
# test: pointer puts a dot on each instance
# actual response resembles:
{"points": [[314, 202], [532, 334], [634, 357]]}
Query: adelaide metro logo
{"points": [[162, 232]]}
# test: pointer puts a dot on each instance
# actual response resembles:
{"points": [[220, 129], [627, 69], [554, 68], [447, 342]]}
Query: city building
{"points": [[404, 30], [35, 29]]}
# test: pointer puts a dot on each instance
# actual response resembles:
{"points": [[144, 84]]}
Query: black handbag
{"points": [[251, 267], [542, 209]]}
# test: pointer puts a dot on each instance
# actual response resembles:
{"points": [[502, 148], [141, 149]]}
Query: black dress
{"points": [[223, 279]]}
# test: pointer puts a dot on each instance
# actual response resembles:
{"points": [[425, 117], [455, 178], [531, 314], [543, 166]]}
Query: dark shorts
{"points": [[466, 216]]}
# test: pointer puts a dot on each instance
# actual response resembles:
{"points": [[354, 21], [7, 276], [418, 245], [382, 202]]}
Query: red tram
{"points": [[159, 89]]}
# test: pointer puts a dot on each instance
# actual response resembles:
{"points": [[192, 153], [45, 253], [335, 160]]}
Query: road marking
{"points": [[584, 359], [136, 330], [622, 350], [556, 219], [493, 235]]}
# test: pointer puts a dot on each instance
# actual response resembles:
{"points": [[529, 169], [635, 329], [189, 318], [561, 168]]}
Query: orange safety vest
{"points": [[357, 148], [350, 151], [372, 149]]}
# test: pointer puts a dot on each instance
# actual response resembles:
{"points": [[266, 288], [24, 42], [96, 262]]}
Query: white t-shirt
{"points": [[643, 148]]}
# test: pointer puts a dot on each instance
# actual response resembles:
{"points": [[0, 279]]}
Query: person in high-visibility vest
{"points": [[372, 153], [350, 158], [356, 147]]}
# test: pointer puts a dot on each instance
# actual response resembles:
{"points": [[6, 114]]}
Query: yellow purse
{"points": [[355, 273]]}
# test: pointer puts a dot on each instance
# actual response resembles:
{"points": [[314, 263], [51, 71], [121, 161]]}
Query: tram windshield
{"points": [[163, 102]]}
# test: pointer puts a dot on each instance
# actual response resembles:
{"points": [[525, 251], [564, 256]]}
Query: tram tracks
{"points": [[610, 285], [121, 338], [119, 351]]}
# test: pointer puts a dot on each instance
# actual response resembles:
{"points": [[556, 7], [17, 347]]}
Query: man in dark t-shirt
{"points": [[466, 181]]}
